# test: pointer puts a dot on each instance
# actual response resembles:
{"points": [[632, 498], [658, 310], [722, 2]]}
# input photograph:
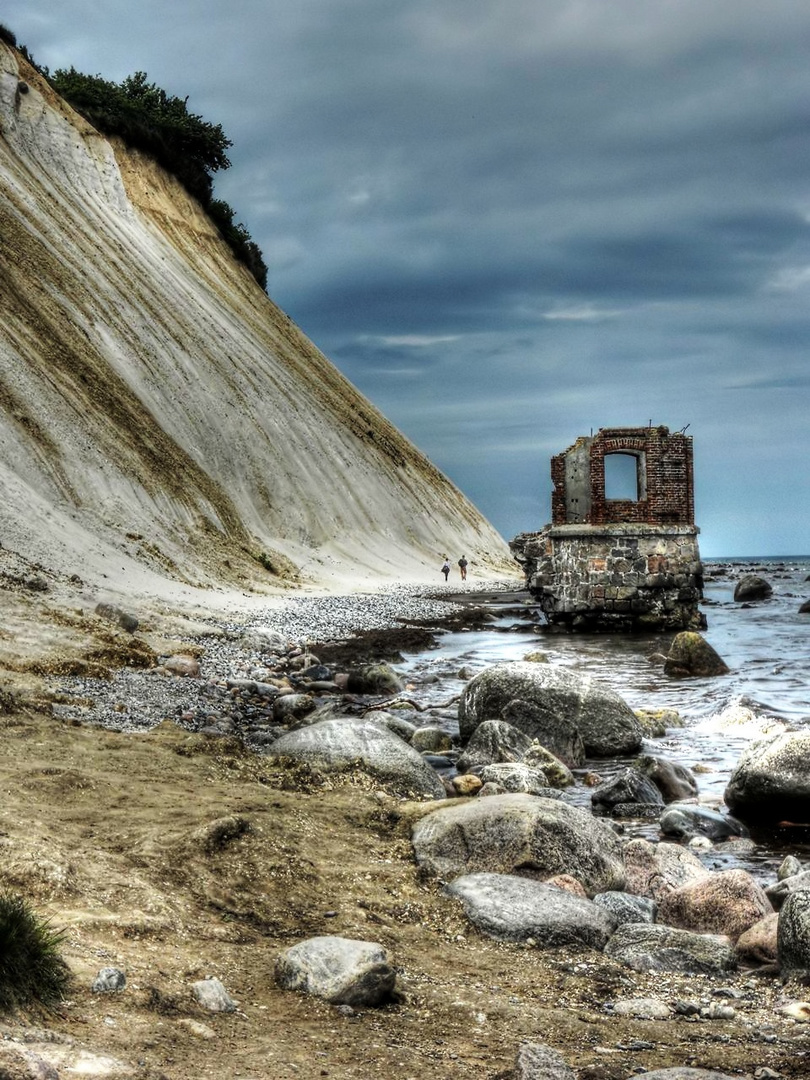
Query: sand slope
{"points": [[165, 427]]}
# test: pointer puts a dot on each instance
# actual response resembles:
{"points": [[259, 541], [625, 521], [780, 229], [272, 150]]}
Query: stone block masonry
{"points": [[626, 561]]}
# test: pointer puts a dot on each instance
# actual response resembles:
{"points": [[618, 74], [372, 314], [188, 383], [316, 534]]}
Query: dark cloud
{"points": [[511, 223]]}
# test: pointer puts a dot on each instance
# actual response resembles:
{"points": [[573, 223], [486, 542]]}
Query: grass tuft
{"points": [[31, 966]]}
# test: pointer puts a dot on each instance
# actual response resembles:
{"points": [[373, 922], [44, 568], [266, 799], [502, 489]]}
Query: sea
{"points": [[765, 644]]}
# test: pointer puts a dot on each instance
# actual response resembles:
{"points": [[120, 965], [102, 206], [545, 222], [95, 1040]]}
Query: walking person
{"points": [[462, 565], [446, 568]]}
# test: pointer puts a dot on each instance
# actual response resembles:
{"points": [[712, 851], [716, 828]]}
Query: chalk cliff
{"points": [[161, 420]]}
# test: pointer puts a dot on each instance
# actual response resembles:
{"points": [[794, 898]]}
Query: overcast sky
{"points": [[511, 222]]}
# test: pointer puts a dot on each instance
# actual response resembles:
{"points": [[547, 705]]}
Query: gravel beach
{"points": [[232, 649]]}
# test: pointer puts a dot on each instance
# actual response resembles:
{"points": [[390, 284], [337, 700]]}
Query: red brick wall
{"points": [[668, 463]]}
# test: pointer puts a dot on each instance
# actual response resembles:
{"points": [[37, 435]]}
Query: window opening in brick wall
{"points": [[624, 476]]}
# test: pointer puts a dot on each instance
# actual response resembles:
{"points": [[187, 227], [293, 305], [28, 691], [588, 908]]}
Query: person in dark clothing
{"points": [[462, 565]]}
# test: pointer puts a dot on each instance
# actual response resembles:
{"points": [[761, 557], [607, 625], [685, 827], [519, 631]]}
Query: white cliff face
{"points": [[161, 420]]}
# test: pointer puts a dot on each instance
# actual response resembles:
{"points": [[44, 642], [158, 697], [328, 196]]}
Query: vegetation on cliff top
{"points": [[160, 124]]}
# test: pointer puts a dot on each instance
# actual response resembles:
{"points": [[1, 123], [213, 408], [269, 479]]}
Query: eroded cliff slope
{"points": [[161, 420]]}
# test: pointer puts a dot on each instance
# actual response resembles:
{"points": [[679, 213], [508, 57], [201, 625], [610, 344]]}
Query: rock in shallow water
{"points": [[772, 780], [550, 697], [690, 655], [685, 820]]}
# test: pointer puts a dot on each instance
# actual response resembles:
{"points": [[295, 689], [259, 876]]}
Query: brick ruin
{"points": [[621, 551]]}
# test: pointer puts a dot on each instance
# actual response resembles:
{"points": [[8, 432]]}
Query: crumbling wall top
{"points": [[625, 475]]}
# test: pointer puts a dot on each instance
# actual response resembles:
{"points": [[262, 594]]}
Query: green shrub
{"points": [[187, 146], [31, 967], [239, 240], [8, 36]]}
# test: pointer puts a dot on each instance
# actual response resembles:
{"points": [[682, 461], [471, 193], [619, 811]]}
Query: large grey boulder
{"points": [[560, 736], [341, 970], [772, 779], [519, 909], [793, 935], [654, 947], [493, 742], [346, 743], [543, 701], [752, 587], [505, 833]]}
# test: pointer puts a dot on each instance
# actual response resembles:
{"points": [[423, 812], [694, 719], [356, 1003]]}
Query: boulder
{"points": [[398, 724], [627, 908], [560, 737], [345, 744], [556, 772], [789, 867], [374, 679], [727, 902], [672, 779], [771, 781], [505, 833], [550, 700], [340, 970], [751, 587], [793, 936], [627, 786], [518, 909], [656, 869], [685, 820], [433, 740], [780, 890], [757, 945], [516, 777], [804, 608], [536, 1061], [656, 947], [492, 742], [690, 655]]}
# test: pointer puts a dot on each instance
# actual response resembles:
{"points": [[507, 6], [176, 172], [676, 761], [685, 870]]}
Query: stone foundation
{"points": [[628, 577]]}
